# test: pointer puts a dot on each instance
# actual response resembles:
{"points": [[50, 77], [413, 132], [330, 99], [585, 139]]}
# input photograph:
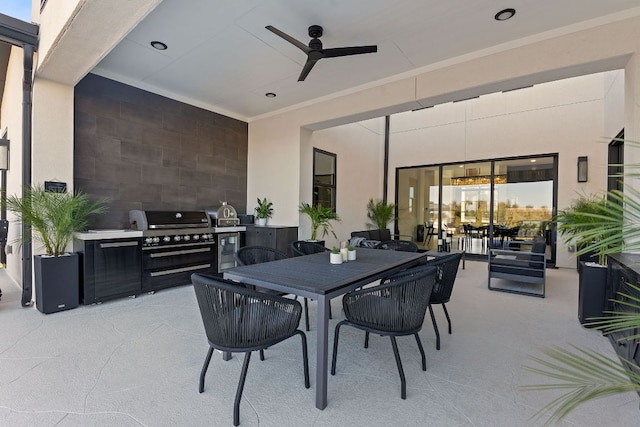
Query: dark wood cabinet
{"points": [[273, 236], [623, 269]]}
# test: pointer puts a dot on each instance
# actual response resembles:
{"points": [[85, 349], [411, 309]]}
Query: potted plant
{"points": [[351, 253], [54, 218], [380, 213], [581, 225], [585, 374], [321, 218], [335, 257], [264, 211]]}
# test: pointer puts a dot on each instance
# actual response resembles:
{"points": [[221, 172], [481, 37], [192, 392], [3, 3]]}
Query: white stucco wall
{"points": [[607, 47], [359, 148], [11, 119], [564, 117]]}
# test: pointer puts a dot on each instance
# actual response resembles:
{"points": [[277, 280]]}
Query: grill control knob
{"points": [[177, 238], [156, 239], [186, 238], [148, 240], [196, 237], [166, 239]]}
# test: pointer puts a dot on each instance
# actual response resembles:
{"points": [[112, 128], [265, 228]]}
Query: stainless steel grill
{"points": [[175, 244]]}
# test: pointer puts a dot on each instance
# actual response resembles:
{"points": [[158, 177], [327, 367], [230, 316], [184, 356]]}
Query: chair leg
{"points": [[435, 327], [403, 382], [306, 313], [335, 347], [366, 340], [446, 313], [203, 372], [262, 355], [305, 359], [424, 358], [243, 376]]}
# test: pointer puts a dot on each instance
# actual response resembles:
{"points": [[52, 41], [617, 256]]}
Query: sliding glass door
{"points": [[481, 205]]}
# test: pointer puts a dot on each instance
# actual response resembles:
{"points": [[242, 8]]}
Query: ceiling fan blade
{"points": [[303, 47], [307, 68], [346, 51]]}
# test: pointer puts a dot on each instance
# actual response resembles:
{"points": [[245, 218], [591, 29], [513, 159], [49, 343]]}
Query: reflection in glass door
{"points": [[523, 201], [500, 203], [418, 202]]}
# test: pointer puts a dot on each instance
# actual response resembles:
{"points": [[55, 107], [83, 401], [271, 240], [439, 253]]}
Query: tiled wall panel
{"points": [[145, 151]]}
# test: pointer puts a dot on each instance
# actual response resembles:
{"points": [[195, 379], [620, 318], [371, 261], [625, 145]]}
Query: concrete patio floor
{"points": [[136, 362]]}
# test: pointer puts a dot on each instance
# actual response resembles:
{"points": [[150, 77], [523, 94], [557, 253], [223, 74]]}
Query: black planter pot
{"points": [[591, 291], [57, 282]]}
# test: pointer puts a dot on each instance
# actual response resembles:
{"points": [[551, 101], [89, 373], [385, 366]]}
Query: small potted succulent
{"points": [[351, 253], [335, 257], [264, 211]]}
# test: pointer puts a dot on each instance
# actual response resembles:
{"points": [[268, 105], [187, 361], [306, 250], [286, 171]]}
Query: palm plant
{"points": [[585, 374], [54, 217], [380, 213], [321, 218]]}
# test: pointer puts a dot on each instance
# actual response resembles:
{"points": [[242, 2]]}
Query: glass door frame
{"points": [[550, 234]]}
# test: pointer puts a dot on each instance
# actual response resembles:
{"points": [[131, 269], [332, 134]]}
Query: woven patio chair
{"points": [[447, 269], [240, 320], [301, 248], [398, 245], [396, 308]]}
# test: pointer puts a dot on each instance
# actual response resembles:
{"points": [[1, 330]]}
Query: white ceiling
{"points": [[221, 57]]}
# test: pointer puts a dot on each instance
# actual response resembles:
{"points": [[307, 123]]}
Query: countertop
{"points": [[131, 234]]}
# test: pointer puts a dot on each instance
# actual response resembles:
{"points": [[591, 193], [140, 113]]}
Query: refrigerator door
{"points": [[228, 244]]}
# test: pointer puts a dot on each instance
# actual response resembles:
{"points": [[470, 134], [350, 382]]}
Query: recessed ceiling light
{"points": [[270, 95], [505, 14], [533, 160], [158, 45]]}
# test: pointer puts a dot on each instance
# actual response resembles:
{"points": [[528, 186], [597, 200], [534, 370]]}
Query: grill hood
{"points": [[159, 220]]}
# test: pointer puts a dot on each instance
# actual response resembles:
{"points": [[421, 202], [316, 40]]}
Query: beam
{"points": [[17, 32]]}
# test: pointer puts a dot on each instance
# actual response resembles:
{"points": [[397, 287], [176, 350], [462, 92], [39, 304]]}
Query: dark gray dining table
{"points": [[312, 276]]}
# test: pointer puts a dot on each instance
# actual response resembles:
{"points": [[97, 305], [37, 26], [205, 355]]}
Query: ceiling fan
{"points": [[315, 52]]}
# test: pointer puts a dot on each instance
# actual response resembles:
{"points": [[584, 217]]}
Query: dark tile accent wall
{"points": [[144, 151]]}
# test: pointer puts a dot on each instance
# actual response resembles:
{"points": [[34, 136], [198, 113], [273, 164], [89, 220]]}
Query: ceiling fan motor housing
{"points": [[315, 31]]}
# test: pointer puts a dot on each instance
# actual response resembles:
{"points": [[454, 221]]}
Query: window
{"points": [[324, 179]]}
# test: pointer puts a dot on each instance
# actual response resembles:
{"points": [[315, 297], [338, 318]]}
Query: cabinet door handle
{"points": [[117, 244], [182, 252]]}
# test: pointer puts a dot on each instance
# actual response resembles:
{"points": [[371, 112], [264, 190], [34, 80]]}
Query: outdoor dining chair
{"points": [[395, 308], [301, 248], [241, 320], [398, 245], [447, 270]]}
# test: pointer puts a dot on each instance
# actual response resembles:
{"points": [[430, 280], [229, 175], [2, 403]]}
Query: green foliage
{"points": [[264, 208], [335, 250], [321, 218], [586, 374], [380, 213], [605, 225], [595, 224], [351, 248], [54, 217]]}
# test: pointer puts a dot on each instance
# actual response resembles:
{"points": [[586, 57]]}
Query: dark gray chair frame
{"points": [[239, 319], [447, 270], [301, 248], [398, 245], [395, 308]]}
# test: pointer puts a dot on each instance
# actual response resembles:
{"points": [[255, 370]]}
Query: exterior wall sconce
{"points": [[4, 154], [583, 163]]}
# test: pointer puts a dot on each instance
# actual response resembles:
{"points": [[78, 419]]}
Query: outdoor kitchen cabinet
{"points": [[623, 269], [110, 268], [273, 236]]}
